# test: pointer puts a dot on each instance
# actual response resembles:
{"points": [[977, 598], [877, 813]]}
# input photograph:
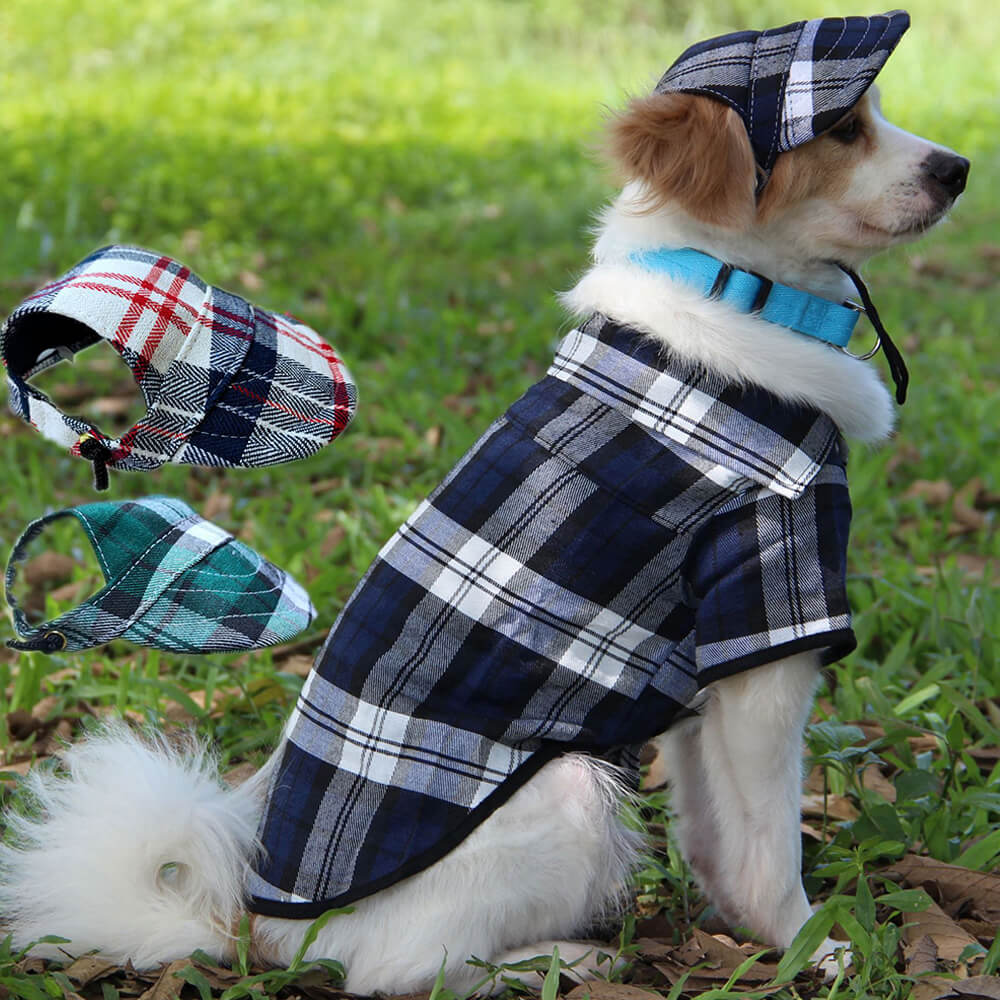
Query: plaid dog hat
{"points": [[173, 580], [789, 84], [225, 383]]}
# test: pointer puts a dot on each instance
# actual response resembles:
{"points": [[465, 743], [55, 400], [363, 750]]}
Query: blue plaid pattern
{"points": [[628, 531], [789, 84]]}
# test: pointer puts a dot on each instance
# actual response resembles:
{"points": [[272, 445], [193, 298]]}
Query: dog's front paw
{"points": [[830, 957]]}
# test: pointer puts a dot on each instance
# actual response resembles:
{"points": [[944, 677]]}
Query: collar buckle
{"points": [[760, 299], [721, 280]]}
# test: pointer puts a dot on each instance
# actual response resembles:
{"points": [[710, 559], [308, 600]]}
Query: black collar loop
{"points": [[94, 450], [897, 366]]}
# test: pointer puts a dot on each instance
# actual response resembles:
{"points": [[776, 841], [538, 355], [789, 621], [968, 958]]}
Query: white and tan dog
{"points": [[139, 851]]}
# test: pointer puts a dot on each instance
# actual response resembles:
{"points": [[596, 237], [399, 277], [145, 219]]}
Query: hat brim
{"points": [[835, 62], [789, 84]]}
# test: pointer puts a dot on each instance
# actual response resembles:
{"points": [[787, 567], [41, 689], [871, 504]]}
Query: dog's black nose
{"points": [[948, 170]]}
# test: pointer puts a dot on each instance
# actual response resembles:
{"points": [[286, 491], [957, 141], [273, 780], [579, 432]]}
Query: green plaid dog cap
{"points": [[173, 580]]}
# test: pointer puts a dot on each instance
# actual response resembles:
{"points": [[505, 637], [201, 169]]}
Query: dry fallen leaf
{"points": [[654, 755], [72, 592], [167, 986], [977, 894], [321, 486], [113, 406], [31, 965], [598, 989], [251, 281], [932, 988], [932, 935], [921, 956], [299, 664], [217, 502], [332, 541], [873, 731], [934, 492], [21, 767], [43, 708], [21, 724], [815, 834], [235, 776], [218, 978], [972, 565], [48, 567], [87, 968], [57, 738], [977, 988], [873, 779], [979, 929], [949, 939], [836, 806], [722, 960]]}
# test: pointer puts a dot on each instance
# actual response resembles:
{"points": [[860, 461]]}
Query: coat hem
{"points": [[310, 909]]}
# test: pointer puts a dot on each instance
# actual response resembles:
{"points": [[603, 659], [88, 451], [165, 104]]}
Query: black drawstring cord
{"points": [[95, 451], [49, 643], [897, 366]]}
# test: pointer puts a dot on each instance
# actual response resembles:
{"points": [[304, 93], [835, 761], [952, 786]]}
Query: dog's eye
{"points": [[847, 129]]}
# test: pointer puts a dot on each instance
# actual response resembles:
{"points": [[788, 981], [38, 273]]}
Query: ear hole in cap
{"points": [[32, 338], [36, 342]]}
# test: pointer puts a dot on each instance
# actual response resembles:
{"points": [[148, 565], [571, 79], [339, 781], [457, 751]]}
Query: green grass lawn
{"points": [[416, 181]]}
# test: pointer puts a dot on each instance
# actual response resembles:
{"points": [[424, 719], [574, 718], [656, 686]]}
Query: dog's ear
{"points": [[690, 151]]}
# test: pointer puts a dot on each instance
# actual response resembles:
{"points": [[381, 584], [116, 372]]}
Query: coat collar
{"points": [[740, 349], [745, 430]]}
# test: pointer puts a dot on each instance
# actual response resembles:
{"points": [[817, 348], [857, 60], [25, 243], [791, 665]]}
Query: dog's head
{"points": [[858, 188]]}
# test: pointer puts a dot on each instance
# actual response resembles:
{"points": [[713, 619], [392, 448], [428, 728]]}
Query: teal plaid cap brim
{"points": [[173, 580]]}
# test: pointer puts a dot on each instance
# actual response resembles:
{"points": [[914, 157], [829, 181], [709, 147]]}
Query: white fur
{"points": [[90, 867], [93, 869], [739, 346], [547, 864], [736, 776]]}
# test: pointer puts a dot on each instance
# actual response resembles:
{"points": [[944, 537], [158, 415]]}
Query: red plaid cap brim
{"points": [[225, 383]]}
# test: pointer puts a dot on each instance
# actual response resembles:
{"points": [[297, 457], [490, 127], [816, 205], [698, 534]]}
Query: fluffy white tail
{"points": [[134, 848]]}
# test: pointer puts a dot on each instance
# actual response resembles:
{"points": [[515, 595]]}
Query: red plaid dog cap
{"points": [[225, 383]]}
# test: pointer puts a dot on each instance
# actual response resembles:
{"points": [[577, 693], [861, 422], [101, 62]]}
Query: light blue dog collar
{"points": [[748, 292]]}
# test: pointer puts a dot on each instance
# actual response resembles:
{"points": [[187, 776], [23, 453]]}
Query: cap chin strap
{"points": [[95, 451], [897, 366]]}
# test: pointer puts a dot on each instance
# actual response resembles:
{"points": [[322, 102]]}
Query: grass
{"points": [[415, 180]]}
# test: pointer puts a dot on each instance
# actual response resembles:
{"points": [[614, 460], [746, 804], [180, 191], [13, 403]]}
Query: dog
{"points": [[138, 851]]}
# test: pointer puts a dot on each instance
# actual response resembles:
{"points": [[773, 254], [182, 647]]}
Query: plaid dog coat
{"points": [[789, 84], [630, 530]]}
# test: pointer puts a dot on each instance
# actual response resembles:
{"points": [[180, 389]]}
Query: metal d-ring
{"points": [[878, 338], [54, 641]]}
